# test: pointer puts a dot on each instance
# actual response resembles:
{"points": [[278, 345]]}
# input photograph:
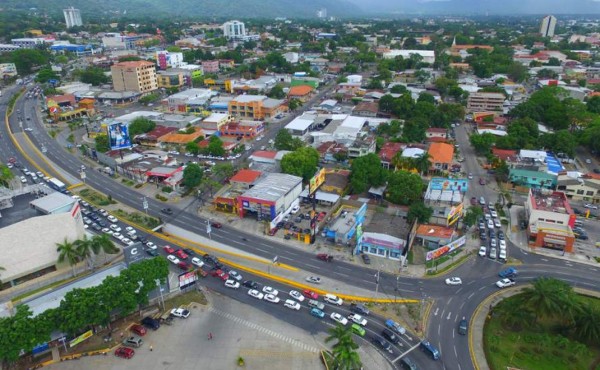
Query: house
{"points": [[388, 151], [336, 182], [255, 107], [436, 133], [300, 92], [151, 138], [584, 188], [177, 138], [242, 129], [244, 179], [441, 155], [532, 177], [506, 155], [366, 109]]}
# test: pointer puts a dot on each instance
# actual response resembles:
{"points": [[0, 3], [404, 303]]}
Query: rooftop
{"points": [[299, 124], [248, 98], [300, 90], [389, 150], [551, 201], [273, 186], [133, 64], [52, 202], [441, 152], [435, 231], [247, 176], [178, 138]]}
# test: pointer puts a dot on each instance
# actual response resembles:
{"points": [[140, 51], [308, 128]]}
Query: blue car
{"points": [[317, 313], [430, 350], [510, 272]]}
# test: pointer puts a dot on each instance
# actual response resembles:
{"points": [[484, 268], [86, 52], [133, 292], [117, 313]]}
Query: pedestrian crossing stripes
{"points": [[261, 329]]}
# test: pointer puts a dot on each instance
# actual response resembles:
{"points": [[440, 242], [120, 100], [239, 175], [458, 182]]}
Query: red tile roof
{"points": [[504, 154], [247, 176], [389, 150], [437, 130], [435, 231], [265, 154], [300, 90], [441, 152]]}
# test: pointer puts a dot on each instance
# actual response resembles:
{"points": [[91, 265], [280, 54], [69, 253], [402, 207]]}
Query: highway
{"points": [[450, 303]]}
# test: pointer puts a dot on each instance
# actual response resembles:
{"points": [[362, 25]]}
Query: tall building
{"points": [[234, 30], [547, 27], [72, 17], [322, 13], [138, 76]]}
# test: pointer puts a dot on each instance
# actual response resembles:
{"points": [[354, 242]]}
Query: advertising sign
{"points": [[437, 253], [134, 253], [80, 338], [187, 278], [118, 136], [317, 180], [455, 213]]}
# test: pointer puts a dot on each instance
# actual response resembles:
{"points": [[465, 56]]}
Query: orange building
{"points": [[441, 156], [300, 92]]}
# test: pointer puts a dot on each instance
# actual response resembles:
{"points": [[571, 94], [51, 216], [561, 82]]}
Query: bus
{"points": [[57, 185]]}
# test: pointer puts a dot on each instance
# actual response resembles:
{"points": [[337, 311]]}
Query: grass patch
{"points": [[161, 198], [96, 198], [185, 299], [448, 267], [539, 347], [138, 218], [128, 182]]}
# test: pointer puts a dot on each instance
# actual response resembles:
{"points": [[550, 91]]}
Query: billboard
{"points": [[187, 279], [317, 180], [437, 253], [455, 213], [118, 136], [134, 253]]}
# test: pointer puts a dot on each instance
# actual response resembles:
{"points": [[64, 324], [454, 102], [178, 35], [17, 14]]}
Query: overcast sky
{"points": [[481, 6]]}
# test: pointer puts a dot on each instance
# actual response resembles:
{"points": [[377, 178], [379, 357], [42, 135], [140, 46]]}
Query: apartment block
{"points": [[483, 102], [255, 107], [137, 76]]}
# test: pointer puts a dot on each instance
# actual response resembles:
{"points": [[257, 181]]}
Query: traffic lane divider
{"points": [[295, 284]]}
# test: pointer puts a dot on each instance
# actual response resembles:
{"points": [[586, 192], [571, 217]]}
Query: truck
{"points": [[57, 185]]}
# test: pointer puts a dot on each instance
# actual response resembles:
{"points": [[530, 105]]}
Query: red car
{"points": [[321, 216], [138, 329], [169, 249], [325, 257], [181, 254], [125, 352], [481, 181], [310, 294], [184, 266], [221, 274], [273, 231], [216, 225]]}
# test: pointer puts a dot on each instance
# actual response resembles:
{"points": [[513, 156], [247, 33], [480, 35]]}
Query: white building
{"points": [[428, 55], [547, 26], [234, 30], [322, 13], [72, 17]]}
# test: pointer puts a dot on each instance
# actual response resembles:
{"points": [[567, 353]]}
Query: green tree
{"points": [[150, 98], [482, 143], [426, 97], [562, 141], [301, 162], [192, 175], [420, 212], [294, 104], [472, 215], [223, 170], [84, 249], [422, 163], [404, 187], [514, 313], [5, 175], [548, 297], [587, 323], [93, 75], [103, 243], [192, 147], [21, 332], [344, 350], [215, 146], [285, 141], [517, 72], [386, 103], [102, 143], [593, 104], [67, 251], [277, 92], [27, 59], [46, 74], [366, 171], [340, 156]]}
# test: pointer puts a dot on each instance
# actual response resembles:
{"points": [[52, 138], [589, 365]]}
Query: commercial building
{"points": [[428, 56], [577, 186], [169, 79], [255, 107], [272, 196], [137, 76], [72, 17], [550, 220], [235, 30], [166, 59], [547, 26], [8, 70], [27, 43], [182, 100], [485, 101]]}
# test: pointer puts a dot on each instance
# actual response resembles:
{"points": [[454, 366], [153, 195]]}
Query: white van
{"points": [[290, 303], [333, 299]]}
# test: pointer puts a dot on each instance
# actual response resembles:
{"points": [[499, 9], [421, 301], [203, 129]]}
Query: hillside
{"points": [[191, 8]]}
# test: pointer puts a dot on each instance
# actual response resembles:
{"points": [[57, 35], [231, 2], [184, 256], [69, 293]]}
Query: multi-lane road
{"points": [[450, 303]]}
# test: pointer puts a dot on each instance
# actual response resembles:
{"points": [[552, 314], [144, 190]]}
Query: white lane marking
{"points": [[436, 311], [449, 313]]}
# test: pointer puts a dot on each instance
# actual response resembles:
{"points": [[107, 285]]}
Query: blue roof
{"points": [[554, 165]]}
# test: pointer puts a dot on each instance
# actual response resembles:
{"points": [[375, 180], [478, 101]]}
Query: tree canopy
{"points": [[366, 171], [285, 141], [141, 125], [404, 187], [192, 175], [301, 162]]}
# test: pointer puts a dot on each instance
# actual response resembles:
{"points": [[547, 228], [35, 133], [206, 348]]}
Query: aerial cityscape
{"points": [[328, 184]]}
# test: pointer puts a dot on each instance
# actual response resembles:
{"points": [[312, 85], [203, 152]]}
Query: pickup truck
{"points": [[505, 283]]}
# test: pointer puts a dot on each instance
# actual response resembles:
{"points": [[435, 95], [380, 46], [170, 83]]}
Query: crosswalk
{"points": [[264, 330]]}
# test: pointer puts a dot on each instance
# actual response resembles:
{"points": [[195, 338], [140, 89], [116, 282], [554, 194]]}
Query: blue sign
{"points": [[40, 348], [118, 136]]}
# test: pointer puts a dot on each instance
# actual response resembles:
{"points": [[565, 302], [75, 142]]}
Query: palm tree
{"points": [[344, 351], [423, 163], [102, 243], [85, 250], [548, 297], [401, 163], [68, 252], [587, 323], [515, 314]]}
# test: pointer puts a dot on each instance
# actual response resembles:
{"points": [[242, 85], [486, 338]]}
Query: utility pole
{"points": [[377, 283]]}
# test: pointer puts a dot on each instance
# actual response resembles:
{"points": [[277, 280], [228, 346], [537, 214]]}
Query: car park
{"points": [[124, 352], [255, 293], [453, 281], [271, 298], [493, 242], [173, 259], [292, 304], [180, 312], [232, 284], [133, 341], [497, 223], [500, 234], [502, 254], [358, 319], [502, 244], [338, 318], [483, 251], [490, 224], [504, 283], [297, 296], [407, 363], [493, 213], [317, 313]]}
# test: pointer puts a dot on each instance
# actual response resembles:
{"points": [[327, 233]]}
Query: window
{"points": [[589, 192], [580, 192]]}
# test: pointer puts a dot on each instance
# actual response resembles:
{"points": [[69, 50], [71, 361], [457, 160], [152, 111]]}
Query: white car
{"points": [[504, 283], [235, 275], [590, 206], [502, 254], [289, 303], [39, 174], [453, 281], [296, 295], [151, 245], [270, 290], [118, 236], [255, 293], [314, 279], [271, 298], [180, 312], [112, 219], [339, 318], [493, 213], [493, 253], [295, 209], [490, 224], [196, 261], [482, 251], [115, 228], [103, 212], [129, 229], [173, 259], [470, 177], [232, 284], [358, 319], [106, 230], [497, 223], [502, 244], [126, 241], [493, 243], [23, 180]]}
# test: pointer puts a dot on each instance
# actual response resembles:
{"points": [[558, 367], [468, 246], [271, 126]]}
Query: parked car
{"points": [[232, 284], [483, 251], [255, 293], [138, 329], [366, 259], [124, 352], [151, 323], [133, 341]]}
